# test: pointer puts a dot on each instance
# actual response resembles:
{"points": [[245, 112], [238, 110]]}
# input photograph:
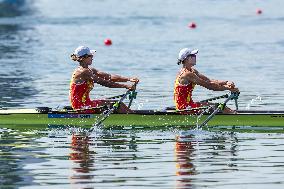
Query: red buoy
{"points": [[108, 42], [192, 25], [258, 11]]}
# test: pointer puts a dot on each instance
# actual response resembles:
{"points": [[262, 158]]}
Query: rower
{"points": [[188, 77], [84, 77]]}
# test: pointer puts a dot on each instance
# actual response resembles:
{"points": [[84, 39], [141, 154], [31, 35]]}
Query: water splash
{"points": [[140, 105], [256, 100]]}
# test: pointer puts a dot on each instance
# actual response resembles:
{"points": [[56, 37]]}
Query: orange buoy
{"points": [[192, 25], [258, 11], [108, 42]]}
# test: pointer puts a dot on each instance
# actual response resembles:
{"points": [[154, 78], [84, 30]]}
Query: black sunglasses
{"points": [[191, 56]]}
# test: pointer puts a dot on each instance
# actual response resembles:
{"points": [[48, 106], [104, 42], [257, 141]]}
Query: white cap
{"points": [[185, 52], [82, 50]]}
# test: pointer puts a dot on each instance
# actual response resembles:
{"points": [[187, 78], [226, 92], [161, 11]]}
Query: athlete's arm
{"points": [[100, 74], [209, 84], [113, 77], [104, 81], [219, 82], [200, 75]]}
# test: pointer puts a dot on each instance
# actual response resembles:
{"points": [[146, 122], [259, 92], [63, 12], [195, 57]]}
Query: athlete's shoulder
{"points": [[84, 71], [83, 74], [94, 70], [193, 70]]}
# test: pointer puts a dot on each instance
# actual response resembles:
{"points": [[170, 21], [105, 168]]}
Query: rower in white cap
{"points": [[188, 77], [84, 77]]}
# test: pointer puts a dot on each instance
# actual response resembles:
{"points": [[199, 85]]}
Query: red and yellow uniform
{"points": [[79, 95], [183, 95]]}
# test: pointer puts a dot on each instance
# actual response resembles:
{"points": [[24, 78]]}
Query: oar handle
{"points": [[235, 97], [116, 105], [132, 95]]}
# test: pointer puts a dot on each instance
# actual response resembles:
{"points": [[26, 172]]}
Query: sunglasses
{"points": [[87, 56], [191, 56]]}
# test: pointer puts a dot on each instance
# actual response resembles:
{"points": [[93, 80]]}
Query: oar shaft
{"points": [[130, 102], [115, 107], [216, 111], [215, 98], [115, 97], [209, 118], [206, 100]]}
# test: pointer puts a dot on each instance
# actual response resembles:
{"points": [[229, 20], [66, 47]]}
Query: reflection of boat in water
{"points": [[10, 8]]}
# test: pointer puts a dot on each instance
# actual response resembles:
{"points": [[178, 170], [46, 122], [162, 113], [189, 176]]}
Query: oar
{"points": [[221, 106], [206, 100], [111, 110], [215, 98], [115, 97], [132, 96]]}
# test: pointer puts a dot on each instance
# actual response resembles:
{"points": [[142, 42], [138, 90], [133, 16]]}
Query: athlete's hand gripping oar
{"points": [[111, 110], [132, 95], [234, 95]]}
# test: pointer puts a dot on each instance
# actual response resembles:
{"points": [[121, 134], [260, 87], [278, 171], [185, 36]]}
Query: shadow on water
{"points": [[15, 80]]}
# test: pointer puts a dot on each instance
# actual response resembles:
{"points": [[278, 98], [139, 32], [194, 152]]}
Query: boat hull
{"points": [[138, 119]]}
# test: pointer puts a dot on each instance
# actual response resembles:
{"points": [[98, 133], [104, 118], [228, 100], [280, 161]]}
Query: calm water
{"points": [[142, 159], [36, 39]]}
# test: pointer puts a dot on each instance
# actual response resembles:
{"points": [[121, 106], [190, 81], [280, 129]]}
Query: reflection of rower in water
{"points": [[83, 80], [81, 155], [188, 77], [184, 165]]}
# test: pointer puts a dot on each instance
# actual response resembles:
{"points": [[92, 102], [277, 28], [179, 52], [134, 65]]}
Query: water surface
{"points": [[36, 40]]}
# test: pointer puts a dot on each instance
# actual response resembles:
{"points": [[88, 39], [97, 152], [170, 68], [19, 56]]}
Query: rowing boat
{"points": [[40, 118]]}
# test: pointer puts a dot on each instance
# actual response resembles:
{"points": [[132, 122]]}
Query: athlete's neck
{"points": [[83, 65], [190, 69]]}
